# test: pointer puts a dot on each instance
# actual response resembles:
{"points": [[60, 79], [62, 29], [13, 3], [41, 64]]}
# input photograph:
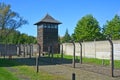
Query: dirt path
{"points": [[80, 74]]}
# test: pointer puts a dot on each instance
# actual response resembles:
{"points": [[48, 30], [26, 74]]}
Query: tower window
{"points": [[45, 25], [56, 26], [40, 26]]}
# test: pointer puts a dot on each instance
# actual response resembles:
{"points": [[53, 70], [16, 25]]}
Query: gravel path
{"points": [[82, 72]]}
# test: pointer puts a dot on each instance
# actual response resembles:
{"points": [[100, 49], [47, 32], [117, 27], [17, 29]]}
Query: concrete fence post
{"points": [[18, 50], [37, 58], [73, 61], [37, 63], [112, 57], [61, 53], [39, 50], [84, 47], [23, 50], [29, 49], [73, 76], [95, 46], [80, 52]]}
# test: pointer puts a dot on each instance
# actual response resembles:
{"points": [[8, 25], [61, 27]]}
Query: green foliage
{"points": [[15, 37], [59, 39], [87, 28], [66, 37], [9, 21], [25, 39], [112, 28]]}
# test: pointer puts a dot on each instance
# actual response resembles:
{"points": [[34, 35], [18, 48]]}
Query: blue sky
{"points": [[66, 11]]}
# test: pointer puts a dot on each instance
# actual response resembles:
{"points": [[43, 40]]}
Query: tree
{"points": [[9, 20], [31, 39], [66, 37], [59, 39], [13, 37], [112, 28], [87, 28], [25, 39]]}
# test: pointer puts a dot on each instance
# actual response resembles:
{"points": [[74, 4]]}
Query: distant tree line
{"points": [[88, 29], [15, 37]]}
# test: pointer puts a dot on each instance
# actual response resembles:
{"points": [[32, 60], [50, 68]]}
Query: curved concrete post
{"points": [[61, 53], [73, 61], [39, 49], [18, 50], [80, 52], [37, 58], [23, 50], [112, 57], [31, 49]]}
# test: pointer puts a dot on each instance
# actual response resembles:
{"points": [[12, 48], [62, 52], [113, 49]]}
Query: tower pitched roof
{"points": [[48, 19]]}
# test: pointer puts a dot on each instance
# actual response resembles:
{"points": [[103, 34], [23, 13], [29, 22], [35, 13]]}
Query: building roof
{"points": [[48, 19]]}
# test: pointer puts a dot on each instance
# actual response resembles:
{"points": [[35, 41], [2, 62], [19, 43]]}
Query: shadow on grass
{"points": [[53, 61], [32, 61]]}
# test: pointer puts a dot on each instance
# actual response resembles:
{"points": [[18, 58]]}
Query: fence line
{"points": [[12, 49], [94, 49]]}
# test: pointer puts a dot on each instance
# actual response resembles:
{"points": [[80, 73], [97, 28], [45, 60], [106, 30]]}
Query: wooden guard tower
{"points": [[47, 34]]}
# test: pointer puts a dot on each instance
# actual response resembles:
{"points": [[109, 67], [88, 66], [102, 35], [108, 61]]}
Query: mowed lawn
{"points": [[7, 75], [11, 70], [94, 61], [4, 73]]}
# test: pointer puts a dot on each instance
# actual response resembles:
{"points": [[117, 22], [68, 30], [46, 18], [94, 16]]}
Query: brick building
{"points": [[47, 34]]}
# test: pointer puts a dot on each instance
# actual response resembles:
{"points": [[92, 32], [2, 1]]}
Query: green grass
{"points": [[93, 61], [117, 63], [96, 61], [104, 62], [30, 71], [7, 75], [4, 73], [64, 56], [23, 71]]}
